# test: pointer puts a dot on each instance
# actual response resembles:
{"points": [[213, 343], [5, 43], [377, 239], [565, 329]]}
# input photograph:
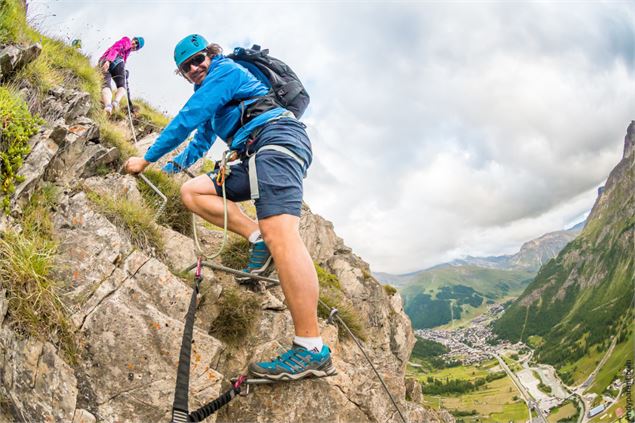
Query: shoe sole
{"points": [[307, 374]]}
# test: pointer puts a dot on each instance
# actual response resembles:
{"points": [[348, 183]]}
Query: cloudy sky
{"points": [[439, 130]]}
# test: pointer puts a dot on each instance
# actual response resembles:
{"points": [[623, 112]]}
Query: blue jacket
{"points": [[207, 111]]}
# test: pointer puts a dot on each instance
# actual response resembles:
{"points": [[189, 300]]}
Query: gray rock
{"points": [[40, 385], [413, 390], [58, 134], [86, 128], [83, 416], [79, 158], [116, 185], [14, 58], [77, 105], [4, 305], [130, 309], [179, 250], [34, 166]]}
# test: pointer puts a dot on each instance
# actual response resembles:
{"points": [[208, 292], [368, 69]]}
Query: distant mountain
{"points": [[532, 255], [535, 253], [395, 280], [449, 291], [584, 296]]}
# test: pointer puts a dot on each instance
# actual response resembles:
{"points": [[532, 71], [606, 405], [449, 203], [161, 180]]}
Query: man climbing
{"points": [[281, 153], [113, 66]]}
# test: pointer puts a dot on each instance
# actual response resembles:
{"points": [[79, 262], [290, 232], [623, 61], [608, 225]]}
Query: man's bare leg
{"points": [[199, 196], [298, 277]]}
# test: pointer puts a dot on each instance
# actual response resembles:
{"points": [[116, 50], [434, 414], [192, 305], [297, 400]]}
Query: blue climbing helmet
{"points": [[187, 47], [140, 42]]}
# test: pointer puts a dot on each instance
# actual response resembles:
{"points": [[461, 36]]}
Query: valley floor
{"points": [[528, 385]]}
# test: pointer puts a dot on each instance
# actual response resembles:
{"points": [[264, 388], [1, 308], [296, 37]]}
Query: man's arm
{"points": [[217, 90], [202, 142]]}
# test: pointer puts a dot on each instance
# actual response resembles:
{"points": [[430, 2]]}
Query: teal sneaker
{"points": [[297, 363], [259, 258]]}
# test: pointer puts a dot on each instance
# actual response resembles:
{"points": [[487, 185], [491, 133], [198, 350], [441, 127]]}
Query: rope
{"points": [[224, 171], [213, 406], [334, 314]]}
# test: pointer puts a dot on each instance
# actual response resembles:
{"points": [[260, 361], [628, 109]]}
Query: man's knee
{"points": [[279, 229], [187, 194]]}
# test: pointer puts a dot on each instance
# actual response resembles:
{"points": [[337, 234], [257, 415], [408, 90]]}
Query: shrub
{"points": [[239, 310], [390, 290], [17, 125], [326, 279], [136, 219], [208, 166], [175, 215], [26, 264]]}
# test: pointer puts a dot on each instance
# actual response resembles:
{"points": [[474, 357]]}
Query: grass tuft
{"points": [[146, 115], [327, 279], [135, 218], [26, 263], [236, 253], [36, 219], [113, 135], [331, 295], [175, 215], [12, 22], [239, 310], [345, 311]]}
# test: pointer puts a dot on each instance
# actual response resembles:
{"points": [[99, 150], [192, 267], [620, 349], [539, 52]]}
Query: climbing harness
{"points": [[253, 175], [239, 385]]}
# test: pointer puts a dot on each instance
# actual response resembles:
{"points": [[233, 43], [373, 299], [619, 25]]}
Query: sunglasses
{"points": [[194, 61]]}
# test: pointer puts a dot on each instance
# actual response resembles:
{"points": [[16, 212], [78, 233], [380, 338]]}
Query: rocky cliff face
{"points": [[584, 296], [533, 254], [127, 307]]}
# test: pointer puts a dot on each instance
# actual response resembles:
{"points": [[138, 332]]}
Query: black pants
{"points": [[118, 73]]}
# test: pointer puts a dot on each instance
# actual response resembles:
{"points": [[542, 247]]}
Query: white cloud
{"points": [[438, 130]]}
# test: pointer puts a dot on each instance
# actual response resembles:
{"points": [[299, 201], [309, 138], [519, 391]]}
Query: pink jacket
{"points": [[121, 48]]}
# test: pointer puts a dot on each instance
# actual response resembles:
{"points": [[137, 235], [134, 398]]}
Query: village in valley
{"points": [[536, 387]]}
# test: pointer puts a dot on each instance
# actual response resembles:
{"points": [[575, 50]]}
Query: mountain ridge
{"points": [[583, 298]]}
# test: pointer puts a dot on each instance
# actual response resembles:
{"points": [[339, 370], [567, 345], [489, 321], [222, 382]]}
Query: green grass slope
{"points": [[442, 294]]}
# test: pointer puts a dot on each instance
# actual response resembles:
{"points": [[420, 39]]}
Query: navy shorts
{"points": [[280, 176]]}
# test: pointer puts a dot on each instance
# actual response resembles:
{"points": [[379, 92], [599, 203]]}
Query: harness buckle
{"points": [[224, 170]]}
